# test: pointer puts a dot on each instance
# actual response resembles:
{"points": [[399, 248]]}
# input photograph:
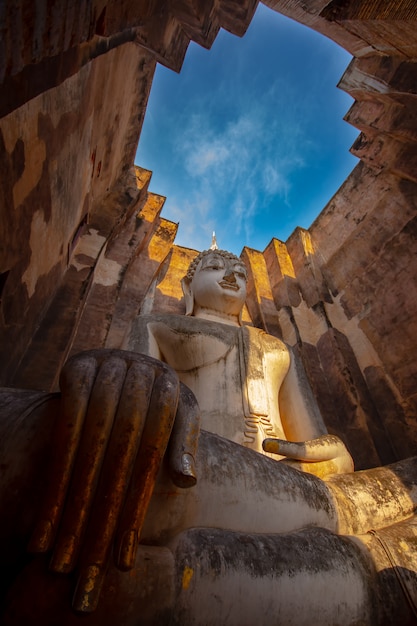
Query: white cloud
{"points": [[274, 181], [233, 165], [206, 156]]}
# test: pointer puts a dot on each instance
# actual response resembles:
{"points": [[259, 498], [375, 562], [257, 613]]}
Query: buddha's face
{"points": [[219, 284]]}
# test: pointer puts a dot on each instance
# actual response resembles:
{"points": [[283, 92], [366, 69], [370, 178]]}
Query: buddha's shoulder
{"points": [[264, 340], [184, 325]]}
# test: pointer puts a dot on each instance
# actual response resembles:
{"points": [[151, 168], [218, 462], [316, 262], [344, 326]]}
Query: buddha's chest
{"points": [[221, 364]]}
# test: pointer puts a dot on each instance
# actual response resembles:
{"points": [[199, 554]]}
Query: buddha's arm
{"points": [[300, 415], [141, 339], [308, 446]]}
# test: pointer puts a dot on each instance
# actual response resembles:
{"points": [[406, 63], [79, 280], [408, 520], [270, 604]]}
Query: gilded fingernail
{"points": [[87, 592], [127, 552], [64, 555]]}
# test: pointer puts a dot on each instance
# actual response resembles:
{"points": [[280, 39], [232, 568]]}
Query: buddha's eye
{"points": [[240, 272]]}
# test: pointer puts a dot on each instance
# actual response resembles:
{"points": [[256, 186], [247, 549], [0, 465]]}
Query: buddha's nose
{"points": [[229, 276]]}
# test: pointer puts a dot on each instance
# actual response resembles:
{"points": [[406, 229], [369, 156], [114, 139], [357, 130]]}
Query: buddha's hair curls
{"points": [[193, 265]]}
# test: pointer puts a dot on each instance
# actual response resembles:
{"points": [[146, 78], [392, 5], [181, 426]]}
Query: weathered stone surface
{"points": [[355, 414], [261, 303], [396, 416], [284, 285], [269, 575], [58, 184], [118, 260], [306, 262]]}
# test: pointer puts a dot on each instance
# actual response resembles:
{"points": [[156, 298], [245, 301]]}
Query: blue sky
{"points": [[248, 140]]}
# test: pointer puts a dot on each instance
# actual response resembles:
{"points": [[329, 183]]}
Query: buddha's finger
{"points": [[159, 421], [76, 381], [99, 420], [114, 479], [184, 440], [323, 448]]}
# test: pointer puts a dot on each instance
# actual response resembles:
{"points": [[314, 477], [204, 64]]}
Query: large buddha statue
{"points": [[209, 527], [244, 380]]}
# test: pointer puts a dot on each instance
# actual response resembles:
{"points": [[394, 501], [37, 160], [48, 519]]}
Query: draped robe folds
{"points": [[234, 372]]}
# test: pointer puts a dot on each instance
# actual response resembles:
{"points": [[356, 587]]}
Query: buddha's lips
{"points": [[227, 285]]}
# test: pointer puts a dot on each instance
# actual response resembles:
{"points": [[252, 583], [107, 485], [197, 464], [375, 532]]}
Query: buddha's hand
{"points": [[323, 456], [117, 416]]}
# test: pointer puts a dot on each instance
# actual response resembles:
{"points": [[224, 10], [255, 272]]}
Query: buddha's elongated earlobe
{"points": [[188, 295]]}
